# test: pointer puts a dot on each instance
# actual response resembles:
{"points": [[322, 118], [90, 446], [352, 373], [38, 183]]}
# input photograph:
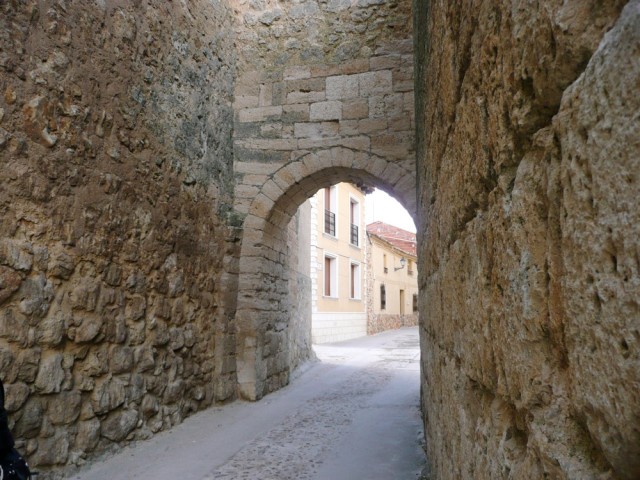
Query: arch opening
{"points": [[266, 344]]}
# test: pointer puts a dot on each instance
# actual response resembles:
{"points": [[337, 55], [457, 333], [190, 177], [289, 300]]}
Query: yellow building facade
{"points": [[392, 278], [338, 264]]}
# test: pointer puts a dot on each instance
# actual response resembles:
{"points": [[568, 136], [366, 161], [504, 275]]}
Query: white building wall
{"points": [[337, 326]]}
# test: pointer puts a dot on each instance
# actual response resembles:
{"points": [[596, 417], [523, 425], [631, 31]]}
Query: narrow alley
{"points": [[352, 414]]}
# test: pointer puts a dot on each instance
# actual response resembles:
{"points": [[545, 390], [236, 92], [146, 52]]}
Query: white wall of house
{"points": [[338, 267]]}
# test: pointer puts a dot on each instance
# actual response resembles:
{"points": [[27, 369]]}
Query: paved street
{"points": [[351, 415]]}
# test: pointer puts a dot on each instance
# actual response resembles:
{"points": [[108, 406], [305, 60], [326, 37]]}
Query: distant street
{"points": [[352, 415]]}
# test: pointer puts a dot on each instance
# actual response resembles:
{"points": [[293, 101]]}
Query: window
{"points": [[355, 281], [409, 267], [354, 217], [330, 276], [329, 211], [401, 302], [415, 302], [384, 263], [383, 297]]}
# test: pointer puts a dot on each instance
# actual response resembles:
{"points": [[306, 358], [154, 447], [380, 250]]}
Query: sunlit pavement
{"points": [[352, 415]]}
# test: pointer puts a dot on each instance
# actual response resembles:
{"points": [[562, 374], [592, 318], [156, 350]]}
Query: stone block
{"points": [[246, 191], [277, 93], [298, 112], [296, 72], [261, 205], [341, 87], [398, 124], [268, 144], [316, 130], [120, 359], [88, 434], [377, 106], [349, 67], [361, 142], [265, 97], [395, 47], [64, 408], [371, 125], [50, 374], [349, 127], [257, 180], [355, 109], [272, 190], [16, 395], [247, 130], [342, 157], [305, 97], [52, 450], [409, 102], [391, 145], [377, 165], [375, 83], [249, 155], [331, 110], [16, 254], [305, 85], [119, 424], [259, 114], [10, 281], [403, 79], [385, 62], [108, 395], [252, 167], [245, 101], [403, 86], [394, 104], [319, 143]]}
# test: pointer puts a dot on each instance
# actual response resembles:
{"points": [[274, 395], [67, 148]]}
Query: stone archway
{"points": [[264, 307], [298, 128]]}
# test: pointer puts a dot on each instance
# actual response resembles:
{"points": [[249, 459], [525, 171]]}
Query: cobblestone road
{"points": [[352, 415]]}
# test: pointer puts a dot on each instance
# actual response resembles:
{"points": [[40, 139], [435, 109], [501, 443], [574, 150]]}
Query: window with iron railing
{"points": [[354, 234], [330, 222]]}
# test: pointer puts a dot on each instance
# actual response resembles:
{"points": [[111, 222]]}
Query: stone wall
{"points": [[377, 323], [116, 182], [299, 343], [528, 158], [324, 94]]}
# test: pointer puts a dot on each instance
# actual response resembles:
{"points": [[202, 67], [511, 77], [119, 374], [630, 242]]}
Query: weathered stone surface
{"points": [[50, 374], [119, 424], [108, 395], [64, 408], [53, 450], [15, 395], [10, 281], [526, 320], [28, 425], [15, 254], [88, 434], [35, 296], [325, 111]]}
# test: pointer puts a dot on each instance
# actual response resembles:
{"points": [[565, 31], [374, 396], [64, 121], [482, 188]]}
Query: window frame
{"points": [[355, 281], [332, 280]]}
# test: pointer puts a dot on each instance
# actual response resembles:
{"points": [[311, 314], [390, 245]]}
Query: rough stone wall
{"points": [[528, 158], [116, 178], [377, 323], [299, 343]]}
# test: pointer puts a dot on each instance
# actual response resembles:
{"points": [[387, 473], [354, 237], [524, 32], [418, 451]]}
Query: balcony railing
{"points": [[330, 222], [354, 235]]}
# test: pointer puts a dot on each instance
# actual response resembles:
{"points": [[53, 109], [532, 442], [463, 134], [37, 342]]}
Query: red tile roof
{"points": [[399, 238]]}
